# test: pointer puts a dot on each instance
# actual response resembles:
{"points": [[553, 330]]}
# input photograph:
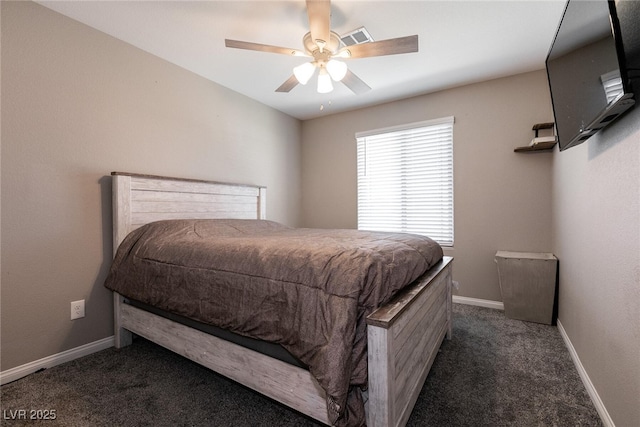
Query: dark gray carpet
{"points": [[494, 372]]}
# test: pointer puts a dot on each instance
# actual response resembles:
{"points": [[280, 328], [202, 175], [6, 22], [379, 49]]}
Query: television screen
{"points": [[587, 78]]}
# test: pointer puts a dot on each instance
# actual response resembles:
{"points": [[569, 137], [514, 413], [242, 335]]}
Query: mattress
{"points": [[308, 290]]}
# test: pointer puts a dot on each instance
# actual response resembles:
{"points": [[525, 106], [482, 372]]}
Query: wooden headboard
{"points": [[140, 199]]}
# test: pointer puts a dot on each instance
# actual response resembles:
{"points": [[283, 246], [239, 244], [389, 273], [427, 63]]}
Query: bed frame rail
{"points": [[281, 381]]}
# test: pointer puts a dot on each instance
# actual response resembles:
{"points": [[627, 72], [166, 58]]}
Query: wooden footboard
{"points": [[404, 337]]}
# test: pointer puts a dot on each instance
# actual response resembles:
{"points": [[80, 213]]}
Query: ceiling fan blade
{"points": [[288, 85], [406, 44], [237, 44], [319, 12], [354, 83]]}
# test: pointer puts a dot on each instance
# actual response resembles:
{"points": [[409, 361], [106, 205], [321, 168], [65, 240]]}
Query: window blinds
{"points": [[612, 85], [405, 179]]}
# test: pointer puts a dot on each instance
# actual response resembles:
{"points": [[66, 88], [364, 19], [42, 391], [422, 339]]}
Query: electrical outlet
{"points": [[77, 309]]}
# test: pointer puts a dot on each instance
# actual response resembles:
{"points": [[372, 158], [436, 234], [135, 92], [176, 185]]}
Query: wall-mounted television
{"points": [[593, 66]]}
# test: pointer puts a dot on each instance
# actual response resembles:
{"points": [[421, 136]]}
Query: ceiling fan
{"points": [[323, 45]]}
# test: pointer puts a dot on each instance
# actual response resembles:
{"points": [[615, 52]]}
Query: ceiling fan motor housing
{"points": [[331, 46]]}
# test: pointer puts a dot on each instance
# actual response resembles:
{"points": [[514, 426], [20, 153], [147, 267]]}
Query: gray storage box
{"points": [[528, 285]]}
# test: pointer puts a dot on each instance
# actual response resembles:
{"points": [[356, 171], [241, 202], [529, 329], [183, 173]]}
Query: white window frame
{"points": [[390, 200]]}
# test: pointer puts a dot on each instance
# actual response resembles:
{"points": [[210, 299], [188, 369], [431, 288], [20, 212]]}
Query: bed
{"points": [[402, 337]]}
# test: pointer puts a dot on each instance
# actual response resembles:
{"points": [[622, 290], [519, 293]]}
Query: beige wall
{"points": [[502, 199], [76, 105], [596, 236]]}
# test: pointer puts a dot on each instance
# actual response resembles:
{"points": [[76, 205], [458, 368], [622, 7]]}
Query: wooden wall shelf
{"points": [[543, 146], [540, 146]]}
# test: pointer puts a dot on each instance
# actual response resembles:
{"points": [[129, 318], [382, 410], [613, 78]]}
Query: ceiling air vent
{"points": [[359, 36]]}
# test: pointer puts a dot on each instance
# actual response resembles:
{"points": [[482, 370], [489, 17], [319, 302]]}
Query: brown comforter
{"points": [[309, 290]]}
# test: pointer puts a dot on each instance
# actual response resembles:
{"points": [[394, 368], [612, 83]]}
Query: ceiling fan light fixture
{"points": [[324, 81], [304, 72], [336, 69]]}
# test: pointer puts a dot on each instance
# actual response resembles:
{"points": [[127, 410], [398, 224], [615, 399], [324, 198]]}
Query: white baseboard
{"points": [[56, 359], [497, 305], [593, 393]]}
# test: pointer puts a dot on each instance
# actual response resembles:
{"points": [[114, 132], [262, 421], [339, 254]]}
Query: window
{"points": [[405, 179], [612, 85]]}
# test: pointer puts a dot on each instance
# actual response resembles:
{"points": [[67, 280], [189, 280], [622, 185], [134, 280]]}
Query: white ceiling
{"points": [[460, 42]]}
